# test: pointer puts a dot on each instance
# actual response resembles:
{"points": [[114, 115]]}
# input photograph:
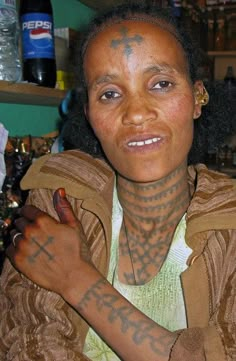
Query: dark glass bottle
{"points": [[229, 76], [39, 64], [231, 31], [210, 30], [220, 31], [230, 82]]}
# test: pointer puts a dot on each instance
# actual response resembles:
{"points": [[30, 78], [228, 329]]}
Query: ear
{"points": [[198, 91]]}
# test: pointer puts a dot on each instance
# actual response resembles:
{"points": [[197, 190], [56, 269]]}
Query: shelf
{"points": [[222, 53], [230, 170], [101, 4], [225, 7], [23, 93]]}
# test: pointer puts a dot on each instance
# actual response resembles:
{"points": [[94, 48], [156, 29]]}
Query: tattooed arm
{"points": [[50, 254], [129, 332]]}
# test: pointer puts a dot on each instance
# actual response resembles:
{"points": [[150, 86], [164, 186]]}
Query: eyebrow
{"points": [[160, 68], [155, 68], [106, 78]]}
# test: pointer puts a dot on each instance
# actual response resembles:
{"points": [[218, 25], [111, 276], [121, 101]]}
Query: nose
{"points": [[137, 111]]}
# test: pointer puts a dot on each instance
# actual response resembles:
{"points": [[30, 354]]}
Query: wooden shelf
{"points": [[102, 4], [222, 53], [23, 93], [226, 7], [230, 170]]}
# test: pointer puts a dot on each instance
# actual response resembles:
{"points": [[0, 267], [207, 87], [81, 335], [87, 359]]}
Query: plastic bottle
{"points": [[10, 65], [39, 64]]}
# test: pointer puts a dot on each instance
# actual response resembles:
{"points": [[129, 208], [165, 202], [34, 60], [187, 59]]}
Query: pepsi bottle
{"points": [[38, 50]]}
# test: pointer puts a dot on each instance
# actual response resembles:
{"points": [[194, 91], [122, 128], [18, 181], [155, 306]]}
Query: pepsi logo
{"points": [[38, 34]]}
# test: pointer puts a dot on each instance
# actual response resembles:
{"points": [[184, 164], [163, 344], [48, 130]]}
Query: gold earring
{"points": [[202, 98]]}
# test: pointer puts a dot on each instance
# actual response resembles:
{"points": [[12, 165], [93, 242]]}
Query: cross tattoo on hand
{"points": [[41, 249], [126, 41]]}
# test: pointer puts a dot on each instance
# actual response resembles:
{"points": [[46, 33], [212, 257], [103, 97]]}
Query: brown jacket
{"points": [[38, 325]]}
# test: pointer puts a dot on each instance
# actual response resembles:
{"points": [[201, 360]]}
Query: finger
{"points": [[15, 236], [63, 208], [10, 252], [30, 212], [21, 223]]}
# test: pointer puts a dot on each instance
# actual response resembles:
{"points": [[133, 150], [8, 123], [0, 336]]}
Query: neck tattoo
{"points": [[151, 213], [134, 281]]}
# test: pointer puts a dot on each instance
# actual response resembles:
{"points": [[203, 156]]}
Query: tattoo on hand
{"points": [[42, 249], [141, 330]]}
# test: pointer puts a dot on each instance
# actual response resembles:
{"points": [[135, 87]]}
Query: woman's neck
{"points": [[152, 212], [155, 205]]}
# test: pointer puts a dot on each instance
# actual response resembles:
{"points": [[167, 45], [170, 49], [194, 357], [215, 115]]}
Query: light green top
{"points": [[161, 299]]}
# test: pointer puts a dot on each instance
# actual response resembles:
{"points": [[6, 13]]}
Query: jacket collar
{"points": [[213, 204]]}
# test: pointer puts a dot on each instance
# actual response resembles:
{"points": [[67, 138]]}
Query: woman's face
{"points": [[141, 102]]}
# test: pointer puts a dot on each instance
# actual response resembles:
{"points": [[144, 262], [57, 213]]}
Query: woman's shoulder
{"points": [[203, 180], [72, 167], [213, 204]]}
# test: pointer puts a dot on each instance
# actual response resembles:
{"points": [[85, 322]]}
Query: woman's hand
{"points": [[49, 252]]}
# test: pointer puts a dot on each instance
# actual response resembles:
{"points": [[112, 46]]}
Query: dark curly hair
{"points": [[217, 117]]}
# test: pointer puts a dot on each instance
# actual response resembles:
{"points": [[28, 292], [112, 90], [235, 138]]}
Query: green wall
{"points": [[39, 120], [71, 12]]}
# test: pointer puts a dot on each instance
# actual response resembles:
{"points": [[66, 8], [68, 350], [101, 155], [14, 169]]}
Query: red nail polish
{"points": [[62, 192]]}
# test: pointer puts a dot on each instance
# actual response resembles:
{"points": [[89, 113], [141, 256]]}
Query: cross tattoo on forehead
{"points": [[126, 41], [41, 249]]}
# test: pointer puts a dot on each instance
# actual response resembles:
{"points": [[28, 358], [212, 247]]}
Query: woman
{"points": [[136, 253]]}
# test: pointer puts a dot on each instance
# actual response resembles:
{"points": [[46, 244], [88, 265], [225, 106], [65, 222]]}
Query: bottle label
{"points": [[37, 36]]}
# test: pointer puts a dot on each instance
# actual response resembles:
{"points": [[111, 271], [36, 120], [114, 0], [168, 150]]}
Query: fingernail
{"points": [[62, 192]]}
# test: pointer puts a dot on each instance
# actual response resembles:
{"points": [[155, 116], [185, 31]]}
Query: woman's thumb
{"points": [[63, 208]]}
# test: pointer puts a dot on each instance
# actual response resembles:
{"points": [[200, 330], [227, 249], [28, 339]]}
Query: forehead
{"points": [[122, 42]]}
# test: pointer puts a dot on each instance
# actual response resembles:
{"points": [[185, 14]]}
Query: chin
{"points": [[143, 177], [151, 173]]}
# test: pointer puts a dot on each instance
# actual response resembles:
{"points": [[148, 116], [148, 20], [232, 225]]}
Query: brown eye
{"points": [[163, 84], [110, 95]]}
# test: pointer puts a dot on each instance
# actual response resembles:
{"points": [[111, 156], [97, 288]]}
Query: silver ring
{"points": [[14, 238]]}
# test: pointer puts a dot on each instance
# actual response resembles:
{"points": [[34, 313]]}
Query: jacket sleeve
{"points": [[36, 324], [217, 342]]}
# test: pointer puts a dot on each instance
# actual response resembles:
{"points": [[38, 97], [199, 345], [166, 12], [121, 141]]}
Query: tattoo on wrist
{"points": [[141, 329]]}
